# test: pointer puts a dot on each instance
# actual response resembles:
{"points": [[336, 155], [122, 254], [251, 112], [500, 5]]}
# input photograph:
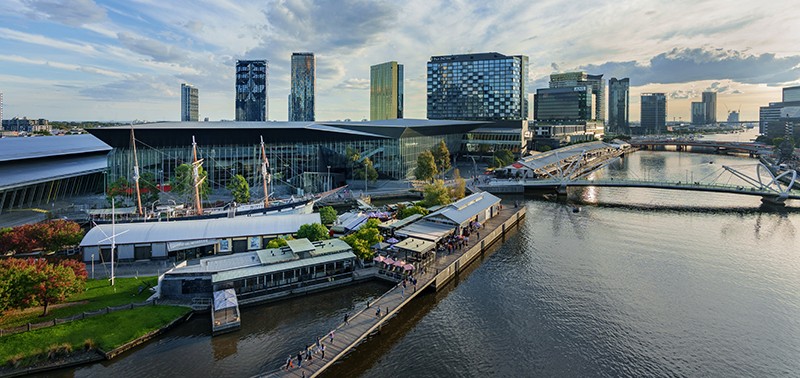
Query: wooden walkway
{"points": [[346, 336]]}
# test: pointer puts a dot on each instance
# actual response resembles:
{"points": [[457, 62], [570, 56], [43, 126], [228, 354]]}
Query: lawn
{"points": [[99, 294], [106, 332]]}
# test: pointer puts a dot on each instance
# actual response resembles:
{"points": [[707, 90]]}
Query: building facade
{"points": [[301, 97], [791, 94], [386, 91], [698, 113], [654, 113], [710, 103], [566, 104], [579, 79], [486, 86], [189, 103], [1, 111], [618, 106], [252, 82], [25, 125]]}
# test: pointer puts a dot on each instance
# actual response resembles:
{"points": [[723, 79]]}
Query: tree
{"points": [[276, 243], [441, 156], [362, 240], [239, 188], [328, 215], [148, 188], [31, 282], [436, 194], [458, 191], [426, 166], [119, 188], [59, 234], [367, 166], [313, 232], [184, 182], [411, 210], [53, 283]]}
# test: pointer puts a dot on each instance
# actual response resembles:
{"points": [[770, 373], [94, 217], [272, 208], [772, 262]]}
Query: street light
{"points": [[329, 178]]}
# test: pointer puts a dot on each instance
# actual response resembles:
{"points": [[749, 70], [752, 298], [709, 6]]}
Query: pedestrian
{"points": [[378, 313], [300, 359], [331, 335], [289, 364], [479, 234], [322, 349], [319, 343], [346, 320]]}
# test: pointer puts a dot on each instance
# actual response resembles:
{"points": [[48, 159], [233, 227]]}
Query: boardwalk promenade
{"points": [[347, 336]]}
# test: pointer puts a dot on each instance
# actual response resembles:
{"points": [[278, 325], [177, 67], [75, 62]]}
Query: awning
{"points": [[181, 245], [225, 299]]}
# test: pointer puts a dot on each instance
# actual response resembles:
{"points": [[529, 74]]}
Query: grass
{"points": [[105, 332], [99, 294]]}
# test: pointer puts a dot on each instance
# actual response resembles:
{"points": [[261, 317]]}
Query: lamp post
{"points": [[329, 186]]}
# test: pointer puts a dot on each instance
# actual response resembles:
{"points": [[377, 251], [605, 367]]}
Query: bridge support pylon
{"points": [[779, 200]]}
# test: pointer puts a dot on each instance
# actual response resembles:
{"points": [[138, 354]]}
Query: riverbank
{"points": [[67, 344]]}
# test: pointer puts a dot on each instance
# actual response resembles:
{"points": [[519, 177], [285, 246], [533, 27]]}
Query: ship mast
{"points": [[266, 177], [136, 175], [196, 164]]}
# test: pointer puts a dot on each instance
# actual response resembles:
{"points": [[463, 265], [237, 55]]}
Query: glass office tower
{"points": [[654, 113], [386, 91], [618, 105], [301, 98], [486, 86], [558, 105], [578, 79], [189, 103], [710, 102], [251, 90]]}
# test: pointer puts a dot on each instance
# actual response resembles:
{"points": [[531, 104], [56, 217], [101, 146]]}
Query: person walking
{"points": [[289, 364], [322, 349], [331, 335], [346, 319], [378, 313], [300, 359]]}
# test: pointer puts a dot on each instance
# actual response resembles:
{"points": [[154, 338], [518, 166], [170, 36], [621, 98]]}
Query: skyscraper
{"points": [[1, 114], [576, 79], [698, 113], [485, 86], [301, 98], [559, 105], [386, 91], [252, 82], [654, 113], [791, 94], [189, 103], [710, 102], [618, 105]]}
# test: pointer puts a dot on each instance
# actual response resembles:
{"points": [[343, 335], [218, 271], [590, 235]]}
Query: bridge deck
{"points": [[364, 322]]}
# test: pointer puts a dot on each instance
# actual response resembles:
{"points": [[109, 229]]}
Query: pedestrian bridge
{"points": [[773, 191]]}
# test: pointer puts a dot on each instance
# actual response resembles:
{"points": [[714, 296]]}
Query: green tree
{"points": [[436, 194], [184, 182], [458, 191], [117, 191], [411, 210], [34, 282], [313, 232], [426, 166], [328, 215], [362, 240], [149, 189], [441, 156], [239, 188], [366, 166], [278, 242]]}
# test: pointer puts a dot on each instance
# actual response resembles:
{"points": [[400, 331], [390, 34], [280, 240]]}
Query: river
{"points": [[639, 282]]}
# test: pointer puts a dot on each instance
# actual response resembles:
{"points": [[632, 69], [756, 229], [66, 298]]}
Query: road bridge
{"points": [[753, 149]]}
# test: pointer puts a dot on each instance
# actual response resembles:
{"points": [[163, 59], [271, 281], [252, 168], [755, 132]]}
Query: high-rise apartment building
{"points": [[252, 82], [485, 86], [189, 103], [710, 102], [654, 113], [386, 91], [1, 112], [791, 94], [698, 113], [577, 79], [301, 97], [618, 105]]}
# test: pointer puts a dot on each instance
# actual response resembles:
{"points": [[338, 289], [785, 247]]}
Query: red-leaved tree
{"points": [[35, 282]]}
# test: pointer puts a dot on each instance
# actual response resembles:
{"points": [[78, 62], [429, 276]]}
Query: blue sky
{"points": [[125, 60]]}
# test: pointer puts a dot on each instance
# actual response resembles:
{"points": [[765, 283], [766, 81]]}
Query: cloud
{"points": [[159, 51], [692, 64], [682, 94], [135, 87], [72, 12], [354, 83]]}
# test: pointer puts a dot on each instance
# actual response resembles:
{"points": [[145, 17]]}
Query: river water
{"points": [[639, 282]]}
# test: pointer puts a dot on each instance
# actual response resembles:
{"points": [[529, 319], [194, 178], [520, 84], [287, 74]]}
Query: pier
{"points": [[347, 336]]}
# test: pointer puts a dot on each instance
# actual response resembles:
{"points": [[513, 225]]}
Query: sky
{"points": [[125, 60]]}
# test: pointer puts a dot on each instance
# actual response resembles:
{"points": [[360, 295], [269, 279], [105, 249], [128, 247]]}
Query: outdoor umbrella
{"points": [[380, 258], [388, 261], [399, 263], [392, 240], [408, 267]]}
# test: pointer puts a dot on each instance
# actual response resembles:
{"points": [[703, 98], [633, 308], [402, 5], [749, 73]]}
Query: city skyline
{"points": [[126, 61]]}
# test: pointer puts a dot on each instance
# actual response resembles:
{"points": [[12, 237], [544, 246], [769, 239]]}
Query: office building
{"points": [[618, 105], [252, 81], [301, 97], [25, 125], [560, 105], [733, 116], [386, 91], [1, 111], [698, 113], [578, 79], [189, 103], [710, 102], [654, 113], [791, 94], [485, 86]]}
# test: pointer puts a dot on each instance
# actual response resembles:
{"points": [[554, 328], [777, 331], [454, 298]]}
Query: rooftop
{"points": [[12, 149], [466, 208]]}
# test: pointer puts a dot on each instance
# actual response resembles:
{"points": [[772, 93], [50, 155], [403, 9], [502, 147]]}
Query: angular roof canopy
{"points": [[466, 208]]}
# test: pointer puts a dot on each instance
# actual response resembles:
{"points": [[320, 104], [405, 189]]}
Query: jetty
{"points": [[346, 337]]}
